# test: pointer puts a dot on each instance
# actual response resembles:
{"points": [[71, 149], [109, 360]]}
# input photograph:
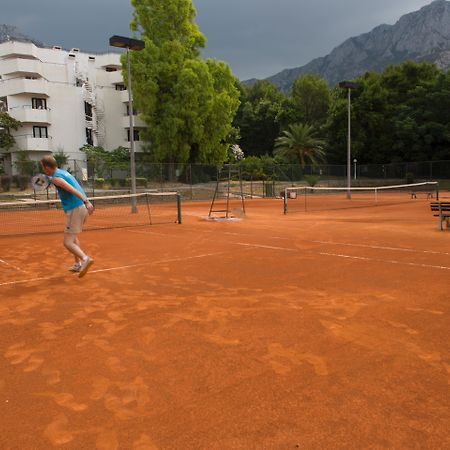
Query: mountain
{"points": [[9, 33], [422, 36]]}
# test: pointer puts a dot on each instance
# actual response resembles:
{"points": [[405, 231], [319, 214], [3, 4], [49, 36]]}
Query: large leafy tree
{"points": [[7, 124], [311, 99], [302, 142], [396, 116], [187, 103], [260, 116]]}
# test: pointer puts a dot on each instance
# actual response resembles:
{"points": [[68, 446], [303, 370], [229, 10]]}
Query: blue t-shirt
{"points": [[68, 200]]}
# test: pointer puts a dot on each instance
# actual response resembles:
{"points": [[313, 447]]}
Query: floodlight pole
{"points": [[349, 85], [137, 45], [349, 147], [132, 149], [354, 162]]}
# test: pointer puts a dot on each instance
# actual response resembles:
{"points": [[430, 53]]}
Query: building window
{"points": [[88, 110], [136, 134], [39, 103], [134, 110], [40, 132], [111, 69], [121, 87], [3, 104], [89, 139]]}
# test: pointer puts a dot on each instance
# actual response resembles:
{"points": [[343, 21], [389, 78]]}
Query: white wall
{"points": [[59, 72]]}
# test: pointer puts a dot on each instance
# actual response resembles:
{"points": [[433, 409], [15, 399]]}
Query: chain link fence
{"points": [[198, 182]]}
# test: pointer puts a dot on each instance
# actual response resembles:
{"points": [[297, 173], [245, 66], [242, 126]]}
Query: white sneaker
{"points": [[75, 268], [85, 265]]}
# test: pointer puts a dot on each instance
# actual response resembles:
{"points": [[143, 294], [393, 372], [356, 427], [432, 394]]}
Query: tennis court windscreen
{"points": [[307, 198], [34, 217]]}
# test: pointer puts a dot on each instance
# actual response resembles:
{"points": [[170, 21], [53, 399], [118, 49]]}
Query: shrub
{"points": [[22, 181], [140, 182], [99, 183], [312, 180], [5, 182], [409, 178]]}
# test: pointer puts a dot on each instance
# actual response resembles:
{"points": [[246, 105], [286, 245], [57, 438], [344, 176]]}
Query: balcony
{"points": [[124, 96], [27, 114], [138, 145], [31, 66], [28, 142], [13, 48], [115, 77], [15, 86], [138, 122]]}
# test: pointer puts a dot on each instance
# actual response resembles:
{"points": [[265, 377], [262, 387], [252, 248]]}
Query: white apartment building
{"points": [[64, 100]]}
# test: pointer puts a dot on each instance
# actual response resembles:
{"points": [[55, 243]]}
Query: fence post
{"points": [[190, 181]]}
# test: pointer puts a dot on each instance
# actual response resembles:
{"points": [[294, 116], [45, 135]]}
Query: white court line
{"points": [[430, 266], [10, 265], [110, 269], [266, 246], [379, 247], [361, 258]]}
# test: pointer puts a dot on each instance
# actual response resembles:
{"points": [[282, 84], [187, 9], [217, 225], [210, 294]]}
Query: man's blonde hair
{"points": [[49, 161]]}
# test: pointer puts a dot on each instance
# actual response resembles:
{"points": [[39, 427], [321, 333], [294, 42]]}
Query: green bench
{"points": [[442, 211]]}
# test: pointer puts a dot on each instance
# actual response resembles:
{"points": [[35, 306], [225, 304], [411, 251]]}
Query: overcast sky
{"points": [[258, 38]]}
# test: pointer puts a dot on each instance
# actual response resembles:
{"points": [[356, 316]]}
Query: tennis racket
{"points": [[40, 182]]}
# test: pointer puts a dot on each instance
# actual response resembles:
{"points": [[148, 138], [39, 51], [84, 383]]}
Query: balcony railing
{"points": [[15, 86], [138, 122], [31, 143], [17, 65], [28, 114]]}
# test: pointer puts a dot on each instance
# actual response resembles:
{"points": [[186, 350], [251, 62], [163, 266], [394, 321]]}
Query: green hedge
{"points": [[6, 181]]}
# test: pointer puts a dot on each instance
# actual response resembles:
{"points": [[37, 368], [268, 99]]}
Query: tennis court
{"points": [[318, 330]]}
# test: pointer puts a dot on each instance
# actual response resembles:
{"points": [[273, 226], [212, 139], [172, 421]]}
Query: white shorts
{"points": [[75, 219]]}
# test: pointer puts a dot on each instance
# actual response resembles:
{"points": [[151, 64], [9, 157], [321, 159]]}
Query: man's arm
{"points": [[63, 184]]}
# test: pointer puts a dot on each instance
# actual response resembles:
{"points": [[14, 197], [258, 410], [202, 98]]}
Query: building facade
{"points": [[64, 99]]}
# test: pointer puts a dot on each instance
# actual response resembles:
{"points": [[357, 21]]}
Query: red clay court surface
{"points": [[324, 330]]}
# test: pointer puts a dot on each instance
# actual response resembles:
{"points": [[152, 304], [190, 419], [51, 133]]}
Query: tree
{"points": [[300, 140], [61, 157], [260, 117], [187, 103], [311, 99], [24, 165], [7, 123], [396, 116]]}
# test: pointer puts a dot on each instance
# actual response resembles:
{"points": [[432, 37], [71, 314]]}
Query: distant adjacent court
{"points": [[324, 329]]}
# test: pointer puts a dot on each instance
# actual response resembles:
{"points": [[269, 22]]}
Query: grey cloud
{"points": [[256, 37]]}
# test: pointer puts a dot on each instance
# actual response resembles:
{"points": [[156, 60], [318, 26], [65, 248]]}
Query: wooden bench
{"points": [[441, 210]]}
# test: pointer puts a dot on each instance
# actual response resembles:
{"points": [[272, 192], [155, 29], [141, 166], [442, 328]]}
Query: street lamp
{"points": [[349, 85], [354, 162], [136, 45]]}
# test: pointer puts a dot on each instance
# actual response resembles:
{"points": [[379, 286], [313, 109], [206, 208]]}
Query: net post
{"points": [[179, 207], [376, 195], [285, 201], [437, 190], [148, 208]]}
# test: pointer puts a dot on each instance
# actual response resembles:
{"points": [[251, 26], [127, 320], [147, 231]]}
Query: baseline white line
{"points": [[10, 265], [110, 269]]}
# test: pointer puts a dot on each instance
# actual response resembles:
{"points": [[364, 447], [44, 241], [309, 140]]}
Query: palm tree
{"points": [[300, 140]]}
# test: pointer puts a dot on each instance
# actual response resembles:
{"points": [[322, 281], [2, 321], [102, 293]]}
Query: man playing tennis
{"points": [[76, 207]]}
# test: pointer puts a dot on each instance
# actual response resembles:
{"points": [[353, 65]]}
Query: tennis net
{"points": [[307, 198], [37, 217]]}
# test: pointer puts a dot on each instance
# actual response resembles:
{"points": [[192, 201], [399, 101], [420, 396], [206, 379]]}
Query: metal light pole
{"points": [[349, 85], [130, 44], [354, 162]]}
